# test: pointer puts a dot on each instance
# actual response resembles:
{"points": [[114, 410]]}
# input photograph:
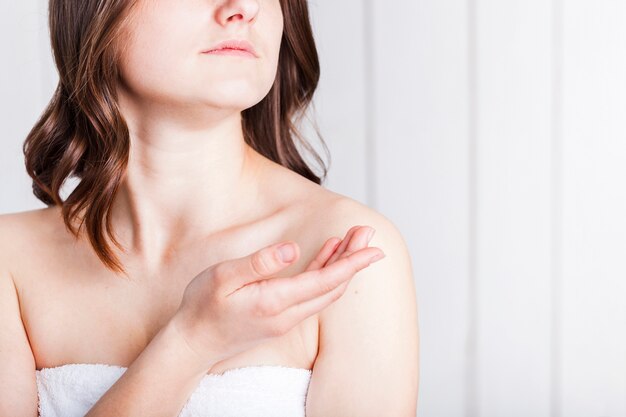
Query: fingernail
{"points": [[370, 235], [377, 257], [287, 252]]}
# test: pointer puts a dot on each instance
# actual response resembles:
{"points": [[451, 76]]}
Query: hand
{"points": [[237, 304]]}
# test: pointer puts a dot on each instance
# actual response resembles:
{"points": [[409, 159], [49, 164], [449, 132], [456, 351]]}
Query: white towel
{"points": [[253, 391]]}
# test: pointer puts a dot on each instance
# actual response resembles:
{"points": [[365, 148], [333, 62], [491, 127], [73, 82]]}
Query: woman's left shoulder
{"points": [[369, 336], [382, 282], [337, 213]]}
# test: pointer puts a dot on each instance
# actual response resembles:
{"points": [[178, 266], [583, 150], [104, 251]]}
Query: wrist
{"points": [[174, 333]]}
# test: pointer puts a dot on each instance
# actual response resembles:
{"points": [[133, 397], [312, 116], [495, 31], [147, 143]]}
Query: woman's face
{"points": [[163, 59]]}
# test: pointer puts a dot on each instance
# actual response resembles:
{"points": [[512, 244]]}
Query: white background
{"points": [[493, 134]]}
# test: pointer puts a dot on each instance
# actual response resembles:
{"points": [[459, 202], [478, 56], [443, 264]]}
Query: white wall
{"points": [[493, 133], [25, 88]]}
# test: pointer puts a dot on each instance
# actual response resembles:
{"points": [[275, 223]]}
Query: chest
{"points": [[78, 314]]}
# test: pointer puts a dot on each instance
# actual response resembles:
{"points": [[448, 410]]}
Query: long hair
{"points": [[82, 133]]}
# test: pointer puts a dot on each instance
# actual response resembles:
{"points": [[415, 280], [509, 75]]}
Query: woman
{"points": [[198, 252]]}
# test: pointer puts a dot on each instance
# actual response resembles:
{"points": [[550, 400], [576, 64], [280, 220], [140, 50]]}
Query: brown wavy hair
{"points": [[82, 134]]}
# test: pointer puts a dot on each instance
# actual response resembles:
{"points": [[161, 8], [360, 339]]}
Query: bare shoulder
{"points": [[18, 391], [24, 235], [23, 221], [342, 213], [28, 219], [14, 228], [332, 214], [368, 357]]}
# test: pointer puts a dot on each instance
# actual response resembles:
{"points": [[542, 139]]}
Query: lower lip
{"points": [[234, 52]]}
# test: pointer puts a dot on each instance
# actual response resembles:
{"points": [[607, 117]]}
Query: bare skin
{"points": [[129, 313], [194, 195]]}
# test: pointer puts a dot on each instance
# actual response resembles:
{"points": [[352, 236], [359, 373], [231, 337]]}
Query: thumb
{"points": [[262, 264]]}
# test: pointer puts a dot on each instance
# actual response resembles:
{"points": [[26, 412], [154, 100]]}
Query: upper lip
{"points": [[240, 44]]}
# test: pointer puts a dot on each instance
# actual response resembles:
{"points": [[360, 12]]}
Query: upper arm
{"points": [[368, 360], [18, 388]]}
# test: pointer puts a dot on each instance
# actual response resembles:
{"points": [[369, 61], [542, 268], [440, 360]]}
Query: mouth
{"points": [[233, 47]]}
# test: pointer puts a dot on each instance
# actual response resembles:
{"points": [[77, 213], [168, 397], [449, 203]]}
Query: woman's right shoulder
{"points": [[19, 393], [24, 223], [21, 232]]}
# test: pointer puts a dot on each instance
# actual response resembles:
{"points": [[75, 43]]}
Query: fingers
{"points": [[356, 238], [301, 310], [324, 254], [286, 292], [260, 265], [235, 274]]}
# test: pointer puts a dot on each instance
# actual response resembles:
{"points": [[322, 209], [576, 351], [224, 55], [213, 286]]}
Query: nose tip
{"points": [[238, 10]]}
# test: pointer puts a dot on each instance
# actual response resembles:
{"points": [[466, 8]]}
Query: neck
{"points": [[182, 184]]}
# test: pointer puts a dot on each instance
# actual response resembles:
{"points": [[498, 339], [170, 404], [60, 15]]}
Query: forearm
{"points": [[158, 383]]}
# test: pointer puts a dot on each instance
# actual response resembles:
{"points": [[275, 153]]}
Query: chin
{"points": [[234, 99]]}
